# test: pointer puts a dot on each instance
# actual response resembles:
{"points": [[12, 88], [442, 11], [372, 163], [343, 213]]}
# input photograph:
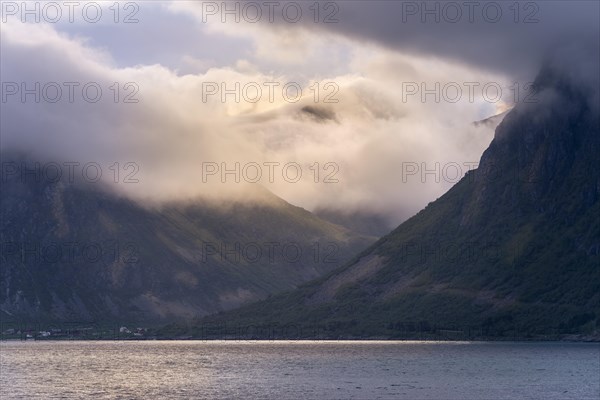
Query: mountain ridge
{"points": [[81, 252], [511, 250]]}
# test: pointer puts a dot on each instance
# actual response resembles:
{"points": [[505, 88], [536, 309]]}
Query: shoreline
{"points": [[324, 340]]}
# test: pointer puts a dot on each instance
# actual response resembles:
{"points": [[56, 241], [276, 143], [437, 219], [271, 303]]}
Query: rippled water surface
{"points": [[298, 370]]}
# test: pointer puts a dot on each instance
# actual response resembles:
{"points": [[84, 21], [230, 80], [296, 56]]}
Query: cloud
{"points": [[368, 133], [509, 37]]}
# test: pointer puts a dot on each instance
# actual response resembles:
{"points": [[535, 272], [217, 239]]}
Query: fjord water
{"points": [[299, 370]]}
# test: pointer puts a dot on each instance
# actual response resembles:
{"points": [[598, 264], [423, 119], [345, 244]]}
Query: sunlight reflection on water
{"points": [[299, 370]]}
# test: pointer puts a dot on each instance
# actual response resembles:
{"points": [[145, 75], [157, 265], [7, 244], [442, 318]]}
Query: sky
{"points": [[348, 105]]}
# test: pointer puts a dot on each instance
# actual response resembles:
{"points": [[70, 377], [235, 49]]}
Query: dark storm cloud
{"points": [[506, 36]]}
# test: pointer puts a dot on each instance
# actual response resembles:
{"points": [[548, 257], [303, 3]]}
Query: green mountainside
{"points": [[512, 250], [78, 252]]}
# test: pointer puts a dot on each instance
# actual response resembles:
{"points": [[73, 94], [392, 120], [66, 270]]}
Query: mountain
{"points": [[80, 252], [512, 250], [363, 222]]}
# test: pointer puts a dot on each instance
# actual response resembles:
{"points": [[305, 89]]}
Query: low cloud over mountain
{"points": [[383, 124]]}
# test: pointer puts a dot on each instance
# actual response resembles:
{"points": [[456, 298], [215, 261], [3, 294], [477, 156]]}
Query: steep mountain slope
{"points": [[513, 249], [79, 252], [367, 223]]}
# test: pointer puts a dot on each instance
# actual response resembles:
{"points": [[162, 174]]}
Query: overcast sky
{"points": [[361, 122]]}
